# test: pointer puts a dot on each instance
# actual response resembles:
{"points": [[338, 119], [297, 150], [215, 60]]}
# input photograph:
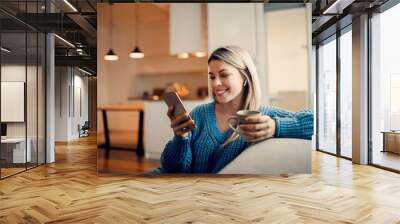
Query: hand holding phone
{"points": [[172, 99], [181, 122]]}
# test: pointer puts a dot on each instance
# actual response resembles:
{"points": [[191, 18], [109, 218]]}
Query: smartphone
{"points": [[173, 99]]}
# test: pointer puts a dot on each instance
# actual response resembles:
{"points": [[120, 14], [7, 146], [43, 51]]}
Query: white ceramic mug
{"points": [[240, 118]]}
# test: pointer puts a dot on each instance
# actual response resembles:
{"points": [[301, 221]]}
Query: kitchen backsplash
{"points": [[156, 83]]}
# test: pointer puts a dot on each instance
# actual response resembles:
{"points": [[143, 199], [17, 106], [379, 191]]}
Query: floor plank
{"points": [[387, 159], [71, 191]]}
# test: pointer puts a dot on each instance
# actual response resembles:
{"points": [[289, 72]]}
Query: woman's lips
{"points": [[220, 92]]}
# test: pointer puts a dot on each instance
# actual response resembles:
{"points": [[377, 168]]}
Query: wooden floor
{"points": [[10, 171], [123, 162], [70, 191], [122, 157], [387, 159]]}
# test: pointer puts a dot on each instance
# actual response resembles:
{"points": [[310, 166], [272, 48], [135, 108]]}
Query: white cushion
{"points": [[273, 157]]}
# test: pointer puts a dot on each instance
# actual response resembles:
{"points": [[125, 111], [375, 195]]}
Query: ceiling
{"points": [[77, 22], [328, 16]]}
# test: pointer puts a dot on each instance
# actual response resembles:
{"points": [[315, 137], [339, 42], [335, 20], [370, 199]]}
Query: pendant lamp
{"points": [[111, 56], [136, 53]]}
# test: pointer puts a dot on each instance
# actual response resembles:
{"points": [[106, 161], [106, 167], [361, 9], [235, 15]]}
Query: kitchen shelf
{"points": [[174, 73]]}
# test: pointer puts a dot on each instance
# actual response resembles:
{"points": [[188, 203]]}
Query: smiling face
{"points": [[226, 81]]}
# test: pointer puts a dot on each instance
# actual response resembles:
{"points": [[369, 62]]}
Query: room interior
{"points": [[161, 40], [53, 73]]}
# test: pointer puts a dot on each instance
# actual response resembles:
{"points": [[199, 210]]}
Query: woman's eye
{"points": [[223, 75], [212, 77]]}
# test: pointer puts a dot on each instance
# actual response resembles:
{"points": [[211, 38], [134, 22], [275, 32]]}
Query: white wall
{"points": [[232, 24], [61, 103], [288, 47], [13, 101], [33, 127], [17, 73], [14, 72], [80, 103], [68, 82], [240, 24], [279, 42]]}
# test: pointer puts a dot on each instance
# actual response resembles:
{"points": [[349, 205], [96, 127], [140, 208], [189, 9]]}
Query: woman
{"points": [[203, 141]]}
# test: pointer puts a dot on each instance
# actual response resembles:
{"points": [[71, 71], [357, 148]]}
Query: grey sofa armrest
{"points": [[273, 157]]}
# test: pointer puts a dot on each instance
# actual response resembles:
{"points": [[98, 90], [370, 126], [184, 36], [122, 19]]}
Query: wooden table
{"points": [[136, 107], [391, 141]]}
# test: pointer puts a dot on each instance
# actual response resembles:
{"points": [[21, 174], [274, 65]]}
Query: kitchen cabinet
{"points": [[186, 28], [232, 24], [240, 24]]}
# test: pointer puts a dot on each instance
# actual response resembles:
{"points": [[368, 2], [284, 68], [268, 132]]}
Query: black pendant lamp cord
{"points": [[136, 26], [111, 25]]}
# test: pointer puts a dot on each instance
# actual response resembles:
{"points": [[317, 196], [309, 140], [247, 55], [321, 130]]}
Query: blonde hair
{"points": [[242, 61]]}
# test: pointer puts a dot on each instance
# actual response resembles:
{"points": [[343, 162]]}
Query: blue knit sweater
{"points": [[202, 151]]}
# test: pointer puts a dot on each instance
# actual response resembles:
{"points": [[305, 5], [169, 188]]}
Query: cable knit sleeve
{"points": [[177, 154], [291, 124]]}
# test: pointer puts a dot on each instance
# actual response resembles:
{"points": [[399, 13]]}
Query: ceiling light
{"points": [[79, 50], [337, 7], [65, 41], [136, 53], [111, 56], [84, 71], [183, 55], [70, 5], [5, 50], [199, 54]]}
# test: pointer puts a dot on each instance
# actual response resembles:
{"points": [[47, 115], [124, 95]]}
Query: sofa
{"points": [[273, 157]]}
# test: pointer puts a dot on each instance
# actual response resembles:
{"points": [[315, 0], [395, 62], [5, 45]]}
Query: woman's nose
{"points": [[217, 81]]}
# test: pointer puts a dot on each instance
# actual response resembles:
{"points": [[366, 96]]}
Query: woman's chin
{"points": [[220, 99], [226, 98]]}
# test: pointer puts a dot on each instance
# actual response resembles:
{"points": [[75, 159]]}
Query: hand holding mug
{"points": [[253, 126], [182, 124]]}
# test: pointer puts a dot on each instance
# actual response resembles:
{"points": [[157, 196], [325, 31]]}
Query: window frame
{"points": [[334, 37]]}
